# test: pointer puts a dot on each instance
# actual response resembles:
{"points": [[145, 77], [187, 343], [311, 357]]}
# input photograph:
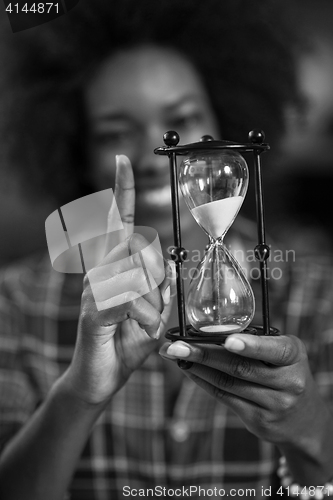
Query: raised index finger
{"points": [[123, 202]]}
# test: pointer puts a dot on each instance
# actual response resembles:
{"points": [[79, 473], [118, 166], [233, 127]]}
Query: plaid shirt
{"points": [[136, 442]]}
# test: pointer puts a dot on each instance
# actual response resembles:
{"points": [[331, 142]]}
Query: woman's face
{"points": [[133, 99]]}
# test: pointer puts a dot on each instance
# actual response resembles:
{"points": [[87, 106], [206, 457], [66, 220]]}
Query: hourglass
{"points": [[213, 178]]}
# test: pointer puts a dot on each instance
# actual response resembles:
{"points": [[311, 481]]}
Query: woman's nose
{"points": [[148, 161]]}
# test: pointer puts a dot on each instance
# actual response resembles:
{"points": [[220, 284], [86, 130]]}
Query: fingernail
{"points": [[158, 333], [154, 336], [180, 350], [234, 344], [166, 295]]}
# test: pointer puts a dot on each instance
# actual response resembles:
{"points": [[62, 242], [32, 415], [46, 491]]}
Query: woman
{"points": [[112, 81]]}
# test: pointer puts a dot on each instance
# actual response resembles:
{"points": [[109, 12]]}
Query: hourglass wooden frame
{"points": [[171, 149]]}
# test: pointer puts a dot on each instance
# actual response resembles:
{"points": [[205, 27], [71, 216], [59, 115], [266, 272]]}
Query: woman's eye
{"points": [[186, 122], [113, 138]]}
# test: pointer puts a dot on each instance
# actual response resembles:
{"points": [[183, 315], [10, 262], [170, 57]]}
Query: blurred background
{"points": [[299, 182], [301, 185]]}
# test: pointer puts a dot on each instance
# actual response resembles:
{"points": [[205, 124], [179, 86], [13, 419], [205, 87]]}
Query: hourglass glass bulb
{"points": [[220, 298], [214, 184]]}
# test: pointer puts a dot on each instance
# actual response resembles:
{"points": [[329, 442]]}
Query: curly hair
{"points": [[241, 49]]}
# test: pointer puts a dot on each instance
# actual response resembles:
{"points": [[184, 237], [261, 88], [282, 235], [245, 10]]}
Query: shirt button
{"points": [[179, 431]]}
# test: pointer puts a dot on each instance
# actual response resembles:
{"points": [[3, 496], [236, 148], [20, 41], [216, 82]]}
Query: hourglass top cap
{"points": [[171, 140]]}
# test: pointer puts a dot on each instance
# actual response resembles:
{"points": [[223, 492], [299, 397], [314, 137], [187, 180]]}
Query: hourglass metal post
{"points": [[208, 147], [262, 251], [178, 253]]}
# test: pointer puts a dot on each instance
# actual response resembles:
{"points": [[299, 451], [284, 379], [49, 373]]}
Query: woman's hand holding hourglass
{"points": [[268, 383], [114, 341]]}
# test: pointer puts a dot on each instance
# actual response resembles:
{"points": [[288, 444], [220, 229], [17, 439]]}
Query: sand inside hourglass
{"points": [[216, 216], [220, 328]]}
